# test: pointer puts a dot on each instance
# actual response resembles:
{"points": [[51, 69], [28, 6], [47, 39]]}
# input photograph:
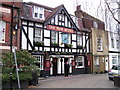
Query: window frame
{"points": [[54, 36], [79, 39], [77, 61], [99, 44], [112, 43], [40, 59], [38, 36], [3, 31], [39, 11]]}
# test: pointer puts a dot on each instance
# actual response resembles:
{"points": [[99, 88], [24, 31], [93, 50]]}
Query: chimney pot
{"points": [[78, 7]]}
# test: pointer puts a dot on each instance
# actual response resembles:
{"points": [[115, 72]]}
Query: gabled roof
{"points": [[56, 11]]}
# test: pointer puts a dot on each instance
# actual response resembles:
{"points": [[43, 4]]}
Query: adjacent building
{"points": [[114, 53], [98, 40]]}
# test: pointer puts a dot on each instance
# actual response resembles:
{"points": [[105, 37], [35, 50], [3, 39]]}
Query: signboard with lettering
{"points": [[5, 10], [62, 29]]}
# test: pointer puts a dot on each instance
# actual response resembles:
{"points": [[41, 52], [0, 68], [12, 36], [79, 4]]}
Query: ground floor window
{"points": [[114, 60], [80, 62], [96, 60], [40, 62]]}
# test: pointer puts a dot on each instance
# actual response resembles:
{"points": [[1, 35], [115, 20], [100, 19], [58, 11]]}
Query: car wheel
{"points": [[110, 78]]}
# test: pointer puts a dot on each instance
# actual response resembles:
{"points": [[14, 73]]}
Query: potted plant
{"points": [[54, 44], [41, 43]]}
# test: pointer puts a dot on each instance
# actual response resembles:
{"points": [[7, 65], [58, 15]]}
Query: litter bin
{"points": [[117, 81]]}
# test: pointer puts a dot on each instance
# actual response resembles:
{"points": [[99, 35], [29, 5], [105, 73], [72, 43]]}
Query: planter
{"points": [[34, 80], [117, 81], [23, 84], [68, 45], [55, 44], [80, 47], [39, 43]]}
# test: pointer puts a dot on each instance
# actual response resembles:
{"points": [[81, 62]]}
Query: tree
{"points": [[114, 10]]}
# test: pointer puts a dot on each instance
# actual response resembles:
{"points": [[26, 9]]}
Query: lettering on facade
{"points": [[62, 29], [5, 10]]}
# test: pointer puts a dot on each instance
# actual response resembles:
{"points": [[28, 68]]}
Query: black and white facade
{"points": [[53, 38]]}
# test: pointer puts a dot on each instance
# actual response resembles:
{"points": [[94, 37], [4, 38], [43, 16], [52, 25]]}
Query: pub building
{"points": [[53, 37]]}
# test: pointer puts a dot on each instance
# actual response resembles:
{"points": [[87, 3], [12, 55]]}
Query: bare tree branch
{"points": [[113, 15]]}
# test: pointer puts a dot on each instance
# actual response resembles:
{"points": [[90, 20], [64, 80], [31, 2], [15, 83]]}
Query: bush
{"points": [[22, 76], [25, 63]]}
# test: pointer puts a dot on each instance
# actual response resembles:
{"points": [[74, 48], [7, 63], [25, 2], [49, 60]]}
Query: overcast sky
{"points": [[87, 5]]}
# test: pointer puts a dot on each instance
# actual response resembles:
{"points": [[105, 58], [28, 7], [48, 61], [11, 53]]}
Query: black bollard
{"points": [[10, 81]]}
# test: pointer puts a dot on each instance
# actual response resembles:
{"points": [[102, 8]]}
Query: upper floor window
{"points": [[37, 35], [79, 40], [117, 44], [65, 38], [95, 24], [2, 31], [112, 43], [99, 44], [53, 36], [38, 12]]}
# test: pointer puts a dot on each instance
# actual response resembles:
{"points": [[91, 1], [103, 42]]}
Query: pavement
{"points": [[76, 81]]}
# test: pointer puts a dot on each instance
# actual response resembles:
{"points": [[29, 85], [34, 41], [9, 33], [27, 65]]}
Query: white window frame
{"points": [[112, 43], [95, 24], [40, 59], [39, 11], [38, 35], [79, 39], [99, 44], [117, 44], [2, 31], [78, 60], [115, 60]]}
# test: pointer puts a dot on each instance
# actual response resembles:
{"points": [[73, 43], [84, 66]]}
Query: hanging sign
{"points": [[61, 29]]}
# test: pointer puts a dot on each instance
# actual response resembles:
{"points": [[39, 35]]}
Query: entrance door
{"points": [[54, 66]]}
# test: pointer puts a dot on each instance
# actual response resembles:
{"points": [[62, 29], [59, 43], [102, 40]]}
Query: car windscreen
{"points": [[116, 67]]}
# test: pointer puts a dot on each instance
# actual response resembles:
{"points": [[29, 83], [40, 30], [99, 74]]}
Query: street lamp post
{"points": [[13, 50]]}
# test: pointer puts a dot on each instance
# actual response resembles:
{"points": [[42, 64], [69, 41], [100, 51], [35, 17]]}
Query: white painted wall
{"points": [[24, 40]]}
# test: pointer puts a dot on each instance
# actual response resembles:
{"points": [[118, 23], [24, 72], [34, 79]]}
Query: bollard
{"points": [[10, 81]]}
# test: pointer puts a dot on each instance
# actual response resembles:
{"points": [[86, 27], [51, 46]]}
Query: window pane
{"points": [[37, 35], [53, 36]]}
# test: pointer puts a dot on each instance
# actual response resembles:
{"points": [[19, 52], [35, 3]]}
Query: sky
{"points": [[70, 5], [92, 7]]}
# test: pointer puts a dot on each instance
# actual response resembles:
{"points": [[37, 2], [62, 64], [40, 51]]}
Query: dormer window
{"points": [[38, 13], [95, 24]]}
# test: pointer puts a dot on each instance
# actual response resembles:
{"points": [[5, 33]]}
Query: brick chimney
{"points": [[78, 8]]}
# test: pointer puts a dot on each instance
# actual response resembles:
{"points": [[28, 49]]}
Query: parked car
{"points": [[114, 71]]}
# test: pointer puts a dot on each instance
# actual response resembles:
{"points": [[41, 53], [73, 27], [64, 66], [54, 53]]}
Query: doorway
{"points": [[54, 66]]}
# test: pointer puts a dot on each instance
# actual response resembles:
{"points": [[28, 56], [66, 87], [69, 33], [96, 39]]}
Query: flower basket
{"points": [[54, 44], [39, 43], [68, 45], [80, 46]]}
